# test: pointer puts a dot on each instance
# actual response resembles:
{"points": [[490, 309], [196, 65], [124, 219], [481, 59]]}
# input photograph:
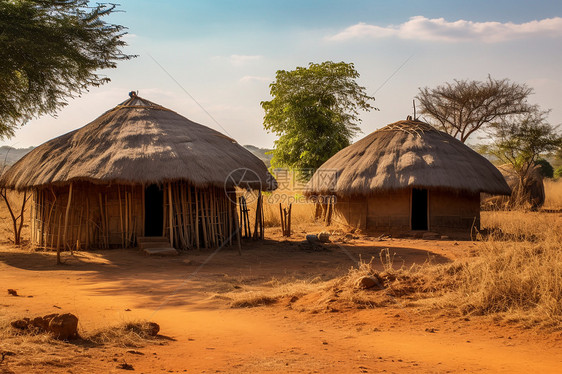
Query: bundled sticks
{"points": [[84, 215], [244, 218], [198, 217], [285, 219]]}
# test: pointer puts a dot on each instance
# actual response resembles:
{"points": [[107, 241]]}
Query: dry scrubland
{"points": [[513, 275], [516, 275]]}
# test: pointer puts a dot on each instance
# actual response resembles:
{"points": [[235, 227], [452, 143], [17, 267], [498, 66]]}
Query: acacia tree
{"points": [[520, 141], [463, 107], [314, 111], [50, 50]]}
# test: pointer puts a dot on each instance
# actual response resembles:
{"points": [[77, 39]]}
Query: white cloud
{"points": [[254, 78], [238, 60], [438, 29]]}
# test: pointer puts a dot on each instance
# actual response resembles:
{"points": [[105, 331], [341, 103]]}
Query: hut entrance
{"points": [[419, 209], [154, 210]]}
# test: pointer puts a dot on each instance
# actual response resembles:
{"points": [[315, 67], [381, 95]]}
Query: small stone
{"points": [[64, 326], [153, 328], [368, 282], [20, 324], [312, 238], [12, 292]]}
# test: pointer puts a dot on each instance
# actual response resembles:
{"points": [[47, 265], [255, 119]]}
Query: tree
{"points": [[50, 51], [314, 112], [463, 107], [545, 168], [17, 217], [558, 173], [519, 141]]}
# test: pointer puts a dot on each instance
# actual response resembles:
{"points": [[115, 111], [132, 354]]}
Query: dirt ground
{"points": [[203, 334]]}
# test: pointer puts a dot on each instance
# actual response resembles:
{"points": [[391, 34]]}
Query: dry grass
{"points": [[516, 275], [40, 350], [553, 192]]}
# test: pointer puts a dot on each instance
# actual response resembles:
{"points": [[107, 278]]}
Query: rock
{"points": [[312, 238], [444, 237], [430, 235], [64, 326], [368, 282], [20, 324], [125, 366], [61, 326], [42, 323], [12, 292], [324, 237], [148, 328], [153, 328]]}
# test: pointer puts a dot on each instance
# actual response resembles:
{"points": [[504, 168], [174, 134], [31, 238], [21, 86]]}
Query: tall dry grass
{"points": [[553, 194]]}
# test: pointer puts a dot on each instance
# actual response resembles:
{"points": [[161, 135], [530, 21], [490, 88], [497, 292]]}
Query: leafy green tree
{"points": [[520, 142], [50, 50], [545, 168], [463, 107], [315, 113]]}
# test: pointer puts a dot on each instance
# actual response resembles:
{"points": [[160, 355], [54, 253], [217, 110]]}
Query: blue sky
{"points": [[225, 54]]}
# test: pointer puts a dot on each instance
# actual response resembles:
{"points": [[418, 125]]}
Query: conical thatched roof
{"points": [[139, 142], [406, 154]]}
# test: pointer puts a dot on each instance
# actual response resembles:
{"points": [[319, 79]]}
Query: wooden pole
{"points": [[171, 215], [282, 219], [121, 218], [143, 219], [58, 239], [289, 222], [238, 231], [191, 221], [78, 244], [126, 218], [88, 221], [196, 219], [106, 216], [66, 216], [262, 219], [102, 220]]}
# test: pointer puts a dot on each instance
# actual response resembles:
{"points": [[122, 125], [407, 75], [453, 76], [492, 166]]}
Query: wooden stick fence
{"points": [[285, 219], [83, 215]]}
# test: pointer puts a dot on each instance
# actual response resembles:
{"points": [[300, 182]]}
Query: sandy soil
{"points": [[204, 335]]}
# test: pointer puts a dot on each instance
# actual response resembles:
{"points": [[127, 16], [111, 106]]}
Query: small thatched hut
{"points": [[138, 170], [532, 196], [407, 176]]}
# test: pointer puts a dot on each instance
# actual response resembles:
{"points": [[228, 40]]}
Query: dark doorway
{"points": [[153, 210], [419, 209]]}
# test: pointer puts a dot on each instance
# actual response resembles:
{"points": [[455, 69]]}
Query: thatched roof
{"points": [[406, 154], [138, 141]]}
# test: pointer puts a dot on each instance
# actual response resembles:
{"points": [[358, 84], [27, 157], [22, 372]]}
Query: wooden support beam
{"points": [[66, 217], [170, 213]]}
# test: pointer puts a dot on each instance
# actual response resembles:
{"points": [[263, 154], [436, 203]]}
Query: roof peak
{"points": [[409, 125], [136, 101]]}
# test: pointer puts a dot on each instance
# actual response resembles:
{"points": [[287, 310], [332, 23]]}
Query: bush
{"points": [[558, 173], [545, 168]]}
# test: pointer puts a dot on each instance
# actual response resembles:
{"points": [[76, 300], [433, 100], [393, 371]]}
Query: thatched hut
{"points": [[137, 170], [532, 196], [407, 176]]}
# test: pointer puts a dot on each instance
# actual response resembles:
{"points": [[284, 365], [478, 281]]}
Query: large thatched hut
{"points": [[407, 176], [137, 170]]}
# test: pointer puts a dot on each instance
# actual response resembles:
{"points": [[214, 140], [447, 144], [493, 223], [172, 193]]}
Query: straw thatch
{"points": [[138, 170], [533, 194], [134, 143], [406, 154]]}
